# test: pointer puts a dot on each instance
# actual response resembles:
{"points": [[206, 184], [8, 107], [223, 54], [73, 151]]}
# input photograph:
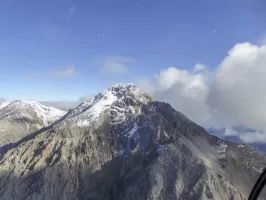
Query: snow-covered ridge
{"points": [[113, 99], [107, 98], [21, 118], [20, 108]]}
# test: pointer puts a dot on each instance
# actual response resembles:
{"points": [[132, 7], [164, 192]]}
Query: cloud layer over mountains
{"points": [[234, 93]]}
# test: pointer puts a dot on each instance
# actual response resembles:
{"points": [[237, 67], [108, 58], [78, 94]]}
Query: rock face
{"points": [[121, 145], [21, 118]]}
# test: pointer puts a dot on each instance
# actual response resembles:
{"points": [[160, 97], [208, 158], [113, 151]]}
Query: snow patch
{"points": [[160, 148], [165, 134], [221, 149], [133, 130]]}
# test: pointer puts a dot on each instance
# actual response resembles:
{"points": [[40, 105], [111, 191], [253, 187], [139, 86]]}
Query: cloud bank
{"points": [[185, 90], [235, 93], [239, 88]]}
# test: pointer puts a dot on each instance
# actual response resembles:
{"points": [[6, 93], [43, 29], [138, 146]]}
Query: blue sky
{"points": [[62, 50]]}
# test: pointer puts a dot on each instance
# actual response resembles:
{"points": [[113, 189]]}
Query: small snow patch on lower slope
{"points": [[133, 131], [240, 145]]}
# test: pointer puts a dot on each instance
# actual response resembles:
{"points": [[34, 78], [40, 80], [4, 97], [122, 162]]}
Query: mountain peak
{"points": [[118, 99], [122, 87], [22, 103], [116, 92]]}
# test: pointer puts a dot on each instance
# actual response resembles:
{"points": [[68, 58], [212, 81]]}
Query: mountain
{"points": [[122, 145], [234, 137], [62, 105], [3, 104], [21, 118]]}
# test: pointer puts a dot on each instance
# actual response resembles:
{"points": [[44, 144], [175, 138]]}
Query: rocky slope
{"points": [[21, 118], [121, 145]]}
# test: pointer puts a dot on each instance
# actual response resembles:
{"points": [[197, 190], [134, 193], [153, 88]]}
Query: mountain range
{"points": [[119, 145]]}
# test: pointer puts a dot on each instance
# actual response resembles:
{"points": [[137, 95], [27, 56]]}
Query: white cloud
{"points": [[253, 137], [146, 85], [185, 90], [230, 132], [115, 65], [71, 11], [234, 93], [238, 91], [199, 67], [262, 40], [64, 73]]}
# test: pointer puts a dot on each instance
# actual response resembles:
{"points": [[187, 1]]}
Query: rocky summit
{"points": [[122, 145]]}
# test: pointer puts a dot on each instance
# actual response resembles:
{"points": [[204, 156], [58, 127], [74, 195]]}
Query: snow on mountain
{"points": [[20, 118], [112, 99], [96, 106], [3, 104], [47, 114], [22, 109]]}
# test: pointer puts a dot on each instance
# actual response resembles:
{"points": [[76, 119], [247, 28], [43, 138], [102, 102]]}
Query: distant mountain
{"points": [[220, 131], [19, 118], [62, 105], [122, 145], [3, 104]]}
